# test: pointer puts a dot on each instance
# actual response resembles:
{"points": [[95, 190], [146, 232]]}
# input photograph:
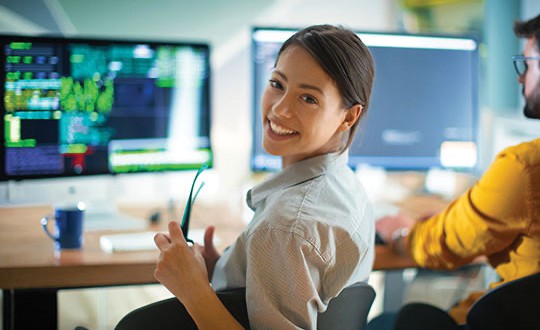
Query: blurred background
{"points": [[226, 27]]}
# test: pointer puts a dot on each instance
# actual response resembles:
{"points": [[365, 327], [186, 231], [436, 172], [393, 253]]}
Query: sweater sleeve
{"points": [[484, 220]]}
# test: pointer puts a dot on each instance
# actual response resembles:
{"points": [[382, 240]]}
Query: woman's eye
{"points": [[309, 99], [276, 84]]}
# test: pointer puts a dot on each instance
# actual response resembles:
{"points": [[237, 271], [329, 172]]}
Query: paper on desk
{"points": [[128, 242], [142, 241]]}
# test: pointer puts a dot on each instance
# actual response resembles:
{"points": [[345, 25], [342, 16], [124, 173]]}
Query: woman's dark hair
{"points": [[345, 58], [528, 29]]}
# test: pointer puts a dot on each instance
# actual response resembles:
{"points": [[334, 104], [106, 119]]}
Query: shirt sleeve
{"points": [[483, 221], [285, 277]]}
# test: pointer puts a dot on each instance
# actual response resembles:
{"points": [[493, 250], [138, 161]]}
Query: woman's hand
{"points": [[210, 253], [180, 268]]}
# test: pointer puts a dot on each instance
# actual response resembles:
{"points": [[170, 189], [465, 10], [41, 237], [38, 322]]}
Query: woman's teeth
{"points": [[280, 130]]}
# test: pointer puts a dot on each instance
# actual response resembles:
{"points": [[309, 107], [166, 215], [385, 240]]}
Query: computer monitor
{"points": [[79, 113], [77, 107], [424, 103]]}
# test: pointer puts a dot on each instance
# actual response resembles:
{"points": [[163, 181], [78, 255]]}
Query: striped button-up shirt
{"points": [[311, 236]]}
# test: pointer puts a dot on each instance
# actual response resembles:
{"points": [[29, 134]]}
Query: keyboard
{"points": [[379, 240]]}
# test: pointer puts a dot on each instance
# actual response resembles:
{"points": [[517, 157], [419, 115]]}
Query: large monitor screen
{"points": [[424, 102], [75, 107]]}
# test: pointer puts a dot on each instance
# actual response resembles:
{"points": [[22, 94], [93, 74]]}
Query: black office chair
{"points": [[349, 310], [512, 306]]}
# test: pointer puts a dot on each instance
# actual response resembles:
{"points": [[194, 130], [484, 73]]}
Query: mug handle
{"points": [[44, 222]]}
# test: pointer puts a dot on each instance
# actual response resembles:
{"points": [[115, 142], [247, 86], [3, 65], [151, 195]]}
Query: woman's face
{"points": [[302, 109]]}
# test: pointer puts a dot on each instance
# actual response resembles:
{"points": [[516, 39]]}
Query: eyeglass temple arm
{"points": [[189, 203], [187, 213]]}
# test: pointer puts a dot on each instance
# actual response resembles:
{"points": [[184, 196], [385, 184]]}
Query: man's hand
{"points": [[389, 226]]}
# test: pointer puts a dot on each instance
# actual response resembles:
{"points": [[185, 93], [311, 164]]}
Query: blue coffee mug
{"points": [[68, 233]]}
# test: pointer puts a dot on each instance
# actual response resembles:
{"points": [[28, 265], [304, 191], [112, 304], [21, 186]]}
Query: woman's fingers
{"points": [[197, 251], [162, 241], [209, 236], [176, 233]]}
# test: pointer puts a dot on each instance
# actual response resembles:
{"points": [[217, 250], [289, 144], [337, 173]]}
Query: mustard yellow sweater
{"points": [[499, 217]]}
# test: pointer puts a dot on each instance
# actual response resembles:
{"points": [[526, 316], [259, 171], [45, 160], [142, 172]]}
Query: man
{"points": [[499, 217]]}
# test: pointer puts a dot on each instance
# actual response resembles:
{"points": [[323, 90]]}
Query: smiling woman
{"points": [[309, 107], [312, 232], [302, 109]]}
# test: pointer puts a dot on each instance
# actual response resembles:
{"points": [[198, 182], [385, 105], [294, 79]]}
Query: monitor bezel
{"points": [[99, 41]]}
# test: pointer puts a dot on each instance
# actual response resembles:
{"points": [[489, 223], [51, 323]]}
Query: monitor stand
{"points": [[97, 193], [105, 216]]}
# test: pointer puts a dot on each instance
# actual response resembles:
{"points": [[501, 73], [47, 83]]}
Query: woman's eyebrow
{"points": [[303, 85], [312, 87], [281, 74]]}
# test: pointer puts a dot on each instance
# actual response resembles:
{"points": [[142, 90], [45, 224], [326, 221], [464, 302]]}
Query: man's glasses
{"points": [[520, 63], [191, 199]]}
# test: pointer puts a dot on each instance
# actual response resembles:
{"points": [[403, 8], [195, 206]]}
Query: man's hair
{"points": [[345, 58], [528, 29]]}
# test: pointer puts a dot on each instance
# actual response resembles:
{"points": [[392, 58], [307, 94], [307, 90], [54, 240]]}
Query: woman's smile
{"points": [[278, 132]]}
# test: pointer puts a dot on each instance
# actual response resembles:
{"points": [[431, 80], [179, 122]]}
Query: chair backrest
{"points": [[348, 310], [514, 305]]}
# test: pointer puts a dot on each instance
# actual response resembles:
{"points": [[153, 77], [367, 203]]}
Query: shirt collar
{"points": [[297, 173]]}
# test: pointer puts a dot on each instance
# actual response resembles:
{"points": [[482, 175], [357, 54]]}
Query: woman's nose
{"points": [[283, 107]]}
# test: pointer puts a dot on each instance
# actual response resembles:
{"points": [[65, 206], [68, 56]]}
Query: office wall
{"points": [[226, 25], [529, 8]]}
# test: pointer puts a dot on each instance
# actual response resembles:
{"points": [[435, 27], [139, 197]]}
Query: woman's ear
{"points": [[351, 116]]}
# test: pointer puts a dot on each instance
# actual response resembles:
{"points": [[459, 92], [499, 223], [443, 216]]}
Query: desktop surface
{"points": [[31, 272], [28, 258]]}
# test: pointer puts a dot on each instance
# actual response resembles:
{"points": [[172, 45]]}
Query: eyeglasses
{"points": [[520, 63], [187, 211]]}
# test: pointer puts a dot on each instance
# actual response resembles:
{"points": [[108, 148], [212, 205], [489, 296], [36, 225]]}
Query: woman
{"points": [[312, 232]]}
